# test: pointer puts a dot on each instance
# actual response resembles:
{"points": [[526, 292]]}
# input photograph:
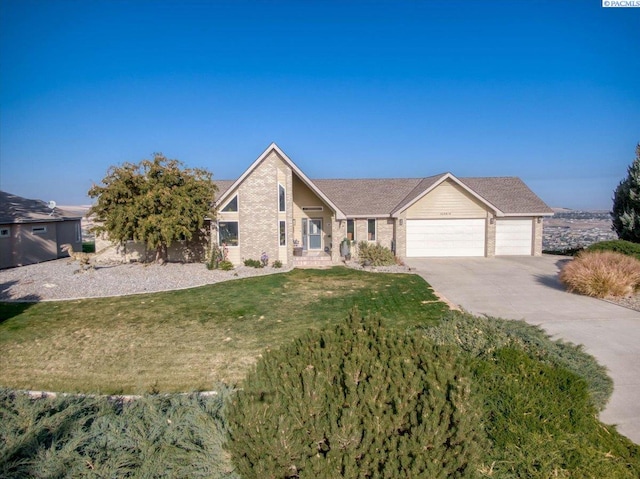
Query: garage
{"points": [[452, 237], [514, 236]]}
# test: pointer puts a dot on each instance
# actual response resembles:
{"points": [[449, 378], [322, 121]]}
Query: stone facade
{"points": [[537, 236], [490, 239]]}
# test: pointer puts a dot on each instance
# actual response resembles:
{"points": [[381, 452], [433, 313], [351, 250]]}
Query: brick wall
{"points": [[490, 240]]}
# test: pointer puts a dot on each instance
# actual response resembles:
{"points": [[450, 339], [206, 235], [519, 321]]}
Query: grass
{"points": [[190, 340], [537, 396]]}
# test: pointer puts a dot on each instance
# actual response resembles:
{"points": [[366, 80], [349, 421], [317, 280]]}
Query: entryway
{"points": [[312, 234]]}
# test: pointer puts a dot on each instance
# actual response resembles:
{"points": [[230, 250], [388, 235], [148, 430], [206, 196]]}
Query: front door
{"points": [[312, 234]]}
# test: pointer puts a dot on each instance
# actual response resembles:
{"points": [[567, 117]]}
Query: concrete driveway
{"points": [[528, 288]]}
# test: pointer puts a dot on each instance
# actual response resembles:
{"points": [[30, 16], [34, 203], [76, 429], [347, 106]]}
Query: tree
{"points": [[626, 203], [156, 201]]}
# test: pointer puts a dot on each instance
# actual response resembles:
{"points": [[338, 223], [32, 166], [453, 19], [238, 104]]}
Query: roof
{"points": [[223, 186], [367, 197], [506, 196], [16, 209], [510, 194]]}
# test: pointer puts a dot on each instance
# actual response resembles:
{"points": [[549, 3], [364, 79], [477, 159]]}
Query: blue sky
{"points": [[545, 90]]}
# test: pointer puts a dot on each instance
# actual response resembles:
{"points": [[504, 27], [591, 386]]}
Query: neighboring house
{"points": [[274, 206], [32, 232]]}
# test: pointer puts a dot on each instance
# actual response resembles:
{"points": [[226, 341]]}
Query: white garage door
{"points": [[514, 236], [445, 237]]}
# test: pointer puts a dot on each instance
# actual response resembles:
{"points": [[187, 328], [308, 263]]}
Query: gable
{"points": [[447, 200]]}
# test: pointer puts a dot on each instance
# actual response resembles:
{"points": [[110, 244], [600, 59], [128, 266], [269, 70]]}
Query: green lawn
{"points": [[192, 339]]}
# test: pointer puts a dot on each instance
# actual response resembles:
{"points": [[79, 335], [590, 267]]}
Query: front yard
{"points": [[192, 339], [536, 399]]}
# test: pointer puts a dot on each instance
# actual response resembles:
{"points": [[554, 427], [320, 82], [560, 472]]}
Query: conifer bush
{"points": [[356, 400], [618, 246]]}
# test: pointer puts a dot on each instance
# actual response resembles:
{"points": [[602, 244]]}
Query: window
{"points": [[283, 233], [39, 230], [351, 230], [282, 199], [232, 206], [5, 232], [371, 230], [228, 233]]}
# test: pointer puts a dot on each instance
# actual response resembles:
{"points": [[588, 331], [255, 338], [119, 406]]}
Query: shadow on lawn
{"points": [[10, 306]]}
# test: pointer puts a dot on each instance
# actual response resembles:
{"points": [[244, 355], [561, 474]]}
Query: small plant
{"points": [[217, 256], [375, 254], [601, 274], [356, 400], [264, 259], [277, 264], [225, 265], [253, 263]]}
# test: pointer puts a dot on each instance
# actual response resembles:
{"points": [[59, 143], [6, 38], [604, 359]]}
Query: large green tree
{"points": [[626, 203], [155, 201]]}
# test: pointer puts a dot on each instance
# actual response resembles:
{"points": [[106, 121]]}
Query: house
{"points": [[31, 231], [274, 207]]}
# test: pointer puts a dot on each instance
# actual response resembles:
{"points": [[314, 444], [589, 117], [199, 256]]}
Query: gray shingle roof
{"points": [[367, 196], [223, 185], [383, 196], [509, 194], [16, 209]]}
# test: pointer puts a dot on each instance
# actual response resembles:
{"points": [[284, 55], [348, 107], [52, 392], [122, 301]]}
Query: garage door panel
{"points": [[514, 237], [465, 237]]}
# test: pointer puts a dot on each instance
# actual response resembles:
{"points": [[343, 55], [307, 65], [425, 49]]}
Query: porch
{"points": [[312, 259]]}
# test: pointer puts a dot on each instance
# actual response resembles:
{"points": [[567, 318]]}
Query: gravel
{"points": [[60, 279]]}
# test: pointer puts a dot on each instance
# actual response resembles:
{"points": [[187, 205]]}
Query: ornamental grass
{"points": [[602, 274]]}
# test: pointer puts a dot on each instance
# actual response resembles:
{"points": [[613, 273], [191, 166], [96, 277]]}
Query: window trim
{"points": [[282, 202], [353, 222], [5, 232], [38, 230], [282, 228], [238, 233], [375, 229], [228, 203]]}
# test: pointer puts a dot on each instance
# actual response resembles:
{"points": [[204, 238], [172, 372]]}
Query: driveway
{"points": [[528, 288]]}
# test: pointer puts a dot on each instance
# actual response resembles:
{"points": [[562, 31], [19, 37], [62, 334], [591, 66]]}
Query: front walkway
{"points": [[528, 288]]}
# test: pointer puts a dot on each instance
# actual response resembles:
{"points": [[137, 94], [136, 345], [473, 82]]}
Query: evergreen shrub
{"points": [[481, 337], [156, 436], [375, 254], [356, 400], [617, 246], [625, 214]]}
